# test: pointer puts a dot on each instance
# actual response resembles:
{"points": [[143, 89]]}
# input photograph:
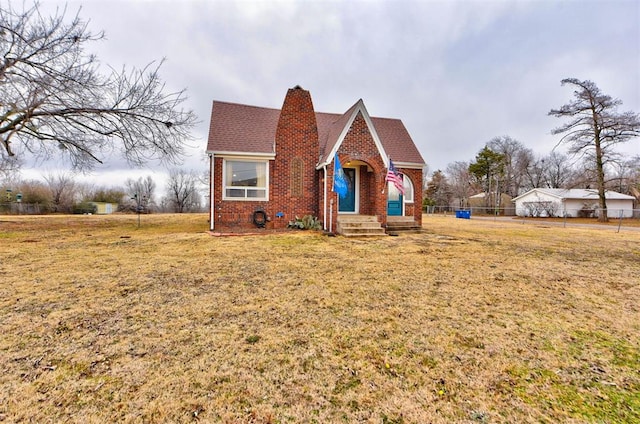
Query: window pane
{"points": [[408, 189], [246, 174], [394, 194], [243, 174], [235, 192], [255, 193], [245, 179]]}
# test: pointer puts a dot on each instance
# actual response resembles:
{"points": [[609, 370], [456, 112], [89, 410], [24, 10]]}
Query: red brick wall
{"points": [[296, 142], [234, 214], [414, 209]]}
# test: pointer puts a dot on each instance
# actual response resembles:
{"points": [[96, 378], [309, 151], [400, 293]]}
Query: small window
{"points": [[245, 180], [297, 179], [408, 189]]}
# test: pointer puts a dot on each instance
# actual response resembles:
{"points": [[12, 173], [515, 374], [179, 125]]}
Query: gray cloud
{"points": [[456, 72]]}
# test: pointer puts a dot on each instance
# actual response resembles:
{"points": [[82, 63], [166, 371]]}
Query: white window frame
{"points": [[245, 199], [406, 181]]}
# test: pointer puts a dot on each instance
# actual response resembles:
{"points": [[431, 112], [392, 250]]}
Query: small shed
{"points": [[104, 208], [549, 202]]}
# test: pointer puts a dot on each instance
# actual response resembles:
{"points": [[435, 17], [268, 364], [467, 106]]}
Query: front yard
{"points": [[471, 321]]}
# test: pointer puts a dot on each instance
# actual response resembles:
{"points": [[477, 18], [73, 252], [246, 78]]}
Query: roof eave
{"points": [[409, 165], [537, 190], [221, 153]]}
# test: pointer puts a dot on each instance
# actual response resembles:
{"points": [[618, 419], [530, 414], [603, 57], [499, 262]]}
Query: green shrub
{"points": [[426, 202], [307, 222]]}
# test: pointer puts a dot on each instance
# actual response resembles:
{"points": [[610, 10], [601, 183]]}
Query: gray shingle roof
{"points": [[579, 193], [251, 129], [241, 128]]}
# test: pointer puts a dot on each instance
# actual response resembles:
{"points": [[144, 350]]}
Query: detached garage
{"points": [[549, 202]]}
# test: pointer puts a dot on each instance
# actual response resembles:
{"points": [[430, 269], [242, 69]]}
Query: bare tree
{"points": [[517, 159], [83, 191], [460, 182], [594, 129], [9, 167], [583, 176], [555, 170], [141, 192], [438, 191], [534, 174], [62, 189], [35, 192], [203, 180], [182, 191], [634, 179], [55, 100], [559, 172], [625, 175]]}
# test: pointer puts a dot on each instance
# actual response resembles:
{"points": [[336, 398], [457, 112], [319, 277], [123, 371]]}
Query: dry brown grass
{"points": [[471, 321]]}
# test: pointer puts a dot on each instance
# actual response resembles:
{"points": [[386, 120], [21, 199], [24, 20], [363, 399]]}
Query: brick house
{"points": [[268, 166]]}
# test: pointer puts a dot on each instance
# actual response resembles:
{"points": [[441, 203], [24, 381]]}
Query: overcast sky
{"points": [[457, 73]]}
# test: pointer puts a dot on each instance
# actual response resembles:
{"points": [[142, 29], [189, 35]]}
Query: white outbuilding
{"points": [[543, 202]]}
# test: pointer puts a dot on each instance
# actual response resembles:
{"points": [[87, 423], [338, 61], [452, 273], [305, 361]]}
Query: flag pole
{"points": [[331, 216], [385, 175]]}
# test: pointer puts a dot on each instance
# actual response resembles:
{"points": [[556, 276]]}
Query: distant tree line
{"points": [[63, 193], [506, 166]]}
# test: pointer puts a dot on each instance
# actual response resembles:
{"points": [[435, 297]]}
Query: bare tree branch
{"points": [[52, 94], [595, 128], [182, 191]]}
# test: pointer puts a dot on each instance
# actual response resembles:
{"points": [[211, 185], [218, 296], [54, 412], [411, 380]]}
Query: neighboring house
{"points": [[542, 202], [268, 166], [103, 208]]}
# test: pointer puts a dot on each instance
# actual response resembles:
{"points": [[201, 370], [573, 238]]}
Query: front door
{"points": [[394, 201], [348, 203]]}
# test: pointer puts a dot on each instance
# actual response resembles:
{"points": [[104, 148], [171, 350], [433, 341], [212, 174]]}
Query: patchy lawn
{"points": [[471, 321]]}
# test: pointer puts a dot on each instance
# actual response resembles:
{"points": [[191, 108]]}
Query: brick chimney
{"points": [[297, 123], [295, 185]]}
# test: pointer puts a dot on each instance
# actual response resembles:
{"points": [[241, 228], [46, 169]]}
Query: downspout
{"points": [[324, 199], [211, 192]]}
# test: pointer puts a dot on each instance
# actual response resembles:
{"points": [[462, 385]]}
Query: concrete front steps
{"points": [[359, 226], [402, 225]]}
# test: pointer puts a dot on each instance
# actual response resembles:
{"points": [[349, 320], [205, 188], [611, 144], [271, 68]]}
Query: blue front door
{"points": [[394, 201], [348, 203]]}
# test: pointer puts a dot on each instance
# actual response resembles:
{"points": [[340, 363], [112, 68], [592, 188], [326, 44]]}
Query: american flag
{"points": [[394, 177]]}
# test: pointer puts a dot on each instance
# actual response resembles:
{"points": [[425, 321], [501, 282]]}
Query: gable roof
{"points": [[329, 145], [576, 194], [238, 128]]}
